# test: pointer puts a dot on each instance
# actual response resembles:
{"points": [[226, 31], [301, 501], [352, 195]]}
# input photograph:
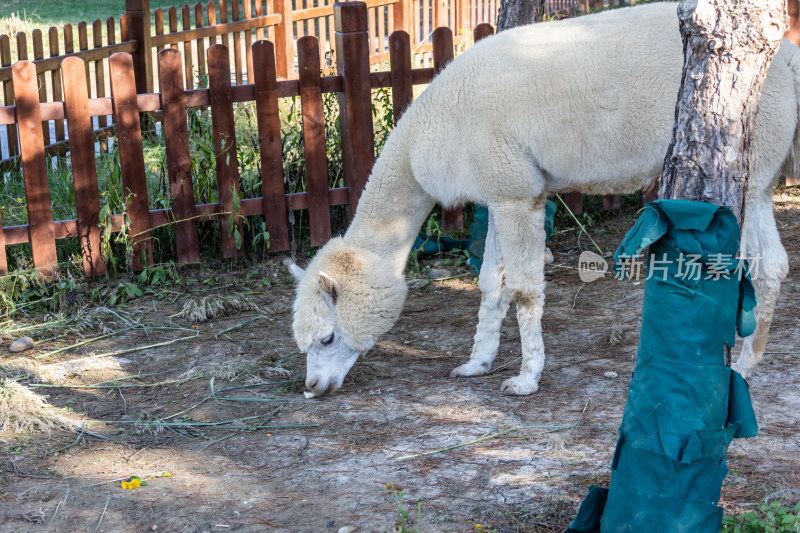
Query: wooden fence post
{"points": [[8, 94], [179, 164], [34, 169], [131, 156], [403, 18], [138, 15], [3, 261], [400, 64], [84, 174], [319, 214], [284, 39], [452, 219], [574, 201], [220, 97], [355, 100], [270, 146]]}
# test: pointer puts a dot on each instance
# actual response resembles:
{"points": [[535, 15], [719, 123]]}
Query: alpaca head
{"points": [[346, 299]]}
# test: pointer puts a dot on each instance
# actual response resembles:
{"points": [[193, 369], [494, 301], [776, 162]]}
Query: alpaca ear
{"points": [[329, 289], [296, 272]]}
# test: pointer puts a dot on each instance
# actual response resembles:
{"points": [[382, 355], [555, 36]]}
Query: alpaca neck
{"points": [[390, 212]]}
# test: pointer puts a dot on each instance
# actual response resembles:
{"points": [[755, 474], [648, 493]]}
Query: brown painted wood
{"points": [[55, 79], [224, 132], [314, 140], [34, 169], [199, 43], [225, 38], [99, 70], [452, 219], [284, 39], [482, 31], [84, 175], [83, 45], [400, 63], [22, 46], [574, 201], [372, 31], [237, 44], [38, 54], [137, 15], [381, 29], [131, 158], [355, 102], [173, 23], [124, 30], [188, 69], [259, 13], [179, 164], [612, 202], [248, 40], [158, 15], [219, 29], [270, 146], [211, 10], [649, 193], [3, 260], [8, 95]]}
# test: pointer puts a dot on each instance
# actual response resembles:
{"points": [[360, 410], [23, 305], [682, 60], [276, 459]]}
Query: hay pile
{"points": [[208, 307], [24, 410]]}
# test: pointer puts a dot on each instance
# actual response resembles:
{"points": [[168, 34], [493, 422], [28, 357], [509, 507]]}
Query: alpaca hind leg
{"points": [[495, 299], [520, 230], [770, 267]]}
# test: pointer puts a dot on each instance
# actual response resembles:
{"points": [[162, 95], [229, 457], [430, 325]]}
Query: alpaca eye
{"points": [[327, 340]]}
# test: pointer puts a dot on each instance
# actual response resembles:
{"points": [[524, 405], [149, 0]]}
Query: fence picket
{"points": [[34, 168], [284, 40], [188, 69], [259, 12], [159, 23], [55, 79], [84, 174], [211, 9], [355, 100], [319, 215], [400, 64], [270, 146], [482, 31], [3, 260], [574, 201], [222, 122], [173, 23], [237, 44], [248, 41], [200, 46], [131, 156], [38, 53], [99, 70], [8, 94], [179, 165], [612, 202], [452, 219], [225, 38]]}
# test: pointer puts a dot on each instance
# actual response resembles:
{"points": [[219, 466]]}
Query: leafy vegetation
{"points": [[772, 517]]}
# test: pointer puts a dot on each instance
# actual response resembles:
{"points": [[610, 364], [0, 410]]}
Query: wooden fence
{"points": [[353, 82], [235, 24]]}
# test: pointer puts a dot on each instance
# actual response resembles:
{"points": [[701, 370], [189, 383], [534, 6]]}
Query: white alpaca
{"points": [[586, 105]]}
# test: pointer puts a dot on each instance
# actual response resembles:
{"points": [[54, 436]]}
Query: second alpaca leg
{"points": [[495, 299], [520, 231]]}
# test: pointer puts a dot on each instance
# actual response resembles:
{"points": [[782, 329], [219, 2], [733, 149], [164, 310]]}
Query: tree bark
{"points": [[514, 13], [728, 45]]}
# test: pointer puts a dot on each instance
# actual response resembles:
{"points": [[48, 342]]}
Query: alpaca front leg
{"points": [[495, 300], [520, 229]]}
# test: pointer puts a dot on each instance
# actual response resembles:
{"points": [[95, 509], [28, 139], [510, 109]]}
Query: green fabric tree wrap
{"points": [[684, 405]]}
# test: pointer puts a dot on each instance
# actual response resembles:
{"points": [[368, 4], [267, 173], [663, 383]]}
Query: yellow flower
{"points": [[126, 485], [135, 483], [166, 474], [389, 486], [478, 526]]}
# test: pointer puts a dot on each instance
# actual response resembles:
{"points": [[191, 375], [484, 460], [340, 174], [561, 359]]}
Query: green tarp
{"points": [[427, 245], [684, 405]]}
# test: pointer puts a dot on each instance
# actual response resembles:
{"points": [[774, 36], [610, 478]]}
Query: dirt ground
{"points": [[398, 401]]}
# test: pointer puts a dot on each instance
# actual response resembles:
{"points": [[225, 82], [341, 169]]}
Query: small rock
{"points": [[347, 529], [417, 283], [610, 375], [308, 394], [438, 273], [20, 345]]}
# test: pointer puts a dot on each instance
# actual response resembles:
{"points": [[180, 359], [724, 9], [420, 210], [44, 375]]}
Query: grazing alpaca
{"points": [[585, 104]]}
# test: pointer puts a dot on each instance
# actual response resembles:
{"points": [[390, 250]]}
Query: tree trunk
{"points": [[728, 45], [514, 13]]}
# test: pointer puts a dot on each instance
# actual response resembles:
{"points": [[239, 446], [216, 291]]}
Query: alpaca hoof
{"points": [[519, 386], [472, 368], [548, 256]]}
